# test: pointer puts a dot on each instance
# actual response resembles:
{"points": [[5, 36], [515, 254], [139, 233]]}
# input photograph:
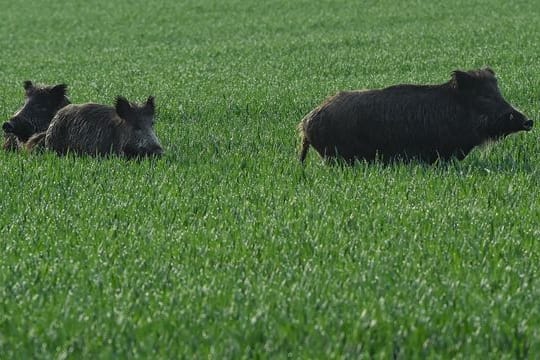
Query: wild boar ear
{"points": [[150, 104], [59, 90], [28, 87], [489, 70], [122, 106], [462, 80]]}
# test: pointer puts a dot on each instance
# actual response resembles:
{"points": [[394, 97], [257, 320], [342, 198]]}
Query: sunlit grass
{"points": [[226, 247]]}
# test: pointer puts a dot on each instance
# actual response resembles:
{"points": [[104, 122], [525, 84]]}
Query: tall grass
{"points": [[228, 248]]}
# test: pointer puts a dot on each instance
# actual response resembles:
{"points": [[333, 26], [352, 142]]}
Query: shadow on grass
{"points": [[495, 164], [507, 164]]}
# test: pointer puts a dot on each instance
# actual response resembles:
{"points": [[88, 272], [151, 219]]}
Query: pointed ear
{"points": [[462, 80], [150, 104], [489, 70], [123, 107], [28, 87], [59, 90]]}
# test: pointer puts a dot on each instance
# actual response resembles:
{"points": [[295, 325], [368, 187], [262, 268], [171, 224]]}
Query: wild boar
{"points": [[412, 122], [127, 129], [41, 104]]}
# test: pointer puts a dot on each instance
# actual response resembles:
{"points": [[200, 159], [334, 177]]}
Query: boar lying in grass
{"points": [[41, 104], [127, 129], [412, 122]]}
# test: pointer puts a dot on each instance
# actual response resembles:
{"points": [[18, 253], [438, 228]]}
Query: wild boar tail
{"points": [[302, 130], [304, 149], [36, 142]]}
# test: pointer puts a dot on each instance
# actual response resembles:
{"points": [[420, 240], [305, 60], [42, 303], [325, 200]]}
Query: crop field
{"points": [[226, 247]]}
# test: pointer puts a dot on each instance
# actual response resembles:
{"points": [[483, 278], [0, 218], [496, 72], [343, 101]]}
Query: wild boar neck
{"points": [[125, 133], [485, 128]]}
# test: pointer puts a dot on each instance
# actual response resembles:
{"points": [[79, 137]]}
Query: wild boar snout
{"points": [[156, 151], [20, 127], [8, 127], [519, 121]]}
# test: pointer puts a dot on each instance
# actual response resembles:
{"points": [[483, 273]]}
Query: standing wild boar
{"points": [[40, 105], [93, 129], [422, 122]]}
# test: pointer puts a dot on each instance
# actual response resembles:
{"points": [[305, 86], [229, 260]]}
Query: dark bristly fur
{"points": [[41, 104], [421, 122], [94, 129], [36, 142]]}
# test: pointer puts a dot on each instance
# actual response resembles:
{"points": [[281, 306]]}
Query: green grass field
{"points": [[226, 247]]}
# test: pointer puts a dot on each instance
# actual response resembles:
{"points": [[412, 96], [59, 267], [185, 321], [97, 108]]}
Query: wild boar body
{"points": [[401, 121], [127, 129], [91, 129]]}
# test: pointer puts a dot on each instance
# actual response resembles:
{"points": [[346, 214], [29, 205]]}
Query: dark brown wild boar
{"points": [[93, 129], [412, 122], [40, 105]]}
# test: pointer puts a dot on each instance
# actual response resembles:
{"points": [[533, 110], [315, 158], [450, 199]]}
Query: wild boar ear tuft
{"points": [[462, 80], [489, 70], [151, 104], [59, 90], [28, 87], [27, 84], [122, 106]]}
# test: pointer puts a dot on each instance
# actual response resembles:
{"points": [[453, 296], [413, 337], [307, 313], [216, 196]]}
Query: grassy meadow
{"points": [[226, 247]]}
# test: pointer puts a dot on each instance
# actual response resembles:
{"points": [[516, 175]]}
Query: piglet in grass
{"points": [[41, 103], [127, 129]]}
